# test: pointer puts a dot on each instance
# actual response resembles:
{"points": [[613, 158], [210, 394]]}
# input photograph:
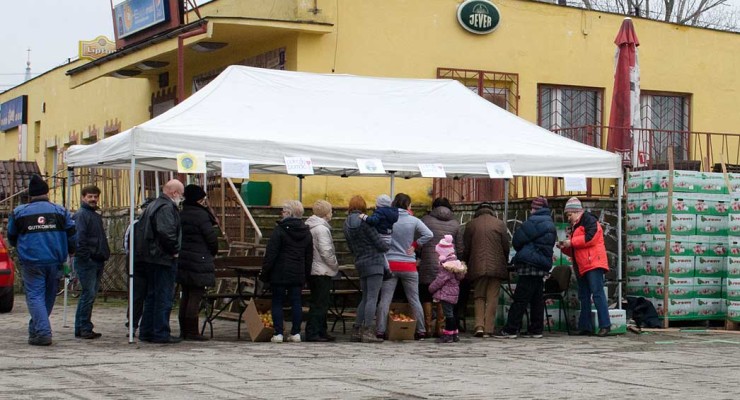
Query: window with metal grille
{"points": [[570, 111], [500, 88], [667, 116]]}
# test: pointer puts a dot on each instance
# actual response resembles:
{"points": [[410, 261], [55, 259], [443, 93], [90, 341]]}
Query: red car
{"points": [[7, 276]]}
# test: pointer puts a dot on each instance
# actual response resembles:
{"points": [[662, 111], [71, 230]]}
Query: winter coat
{"points": [[92, 244], [407, 232], [446, 286], [441, 221], [324, 257], [199, 246], [587, 245], [383, 219], [158, 234], [42, 233], [365, 244], [289, 254], [534, 241], [486, 246]]}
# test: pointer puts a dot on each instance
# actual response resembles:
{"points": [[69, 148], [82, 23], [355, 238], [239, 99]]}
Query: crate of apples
{"points": [[400, 317], [266, 319]]}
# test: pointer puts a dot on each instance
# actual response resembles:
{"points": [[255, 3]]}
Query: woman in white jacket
{"points": [[324, 267]]}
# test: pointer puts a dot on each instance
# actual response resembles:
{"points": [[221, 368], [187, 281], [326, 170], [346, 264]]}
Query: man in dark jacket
{"points": [[533, 242], [43, 235], [156, 247], [287, 264], [92, 253]]}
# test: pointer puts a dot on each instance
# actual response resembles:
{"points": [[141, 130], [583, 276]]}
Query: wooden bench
{"points": [[233, 289]]}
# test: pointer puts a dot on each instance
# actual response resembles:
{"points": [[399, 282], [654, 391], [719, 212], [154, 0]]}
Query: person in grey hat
{"points": [[382, 220]]}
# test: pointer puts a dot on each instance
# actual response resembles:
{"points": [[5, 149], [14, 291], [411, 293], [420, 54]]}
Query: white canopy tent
{"points": [[264, 115]]}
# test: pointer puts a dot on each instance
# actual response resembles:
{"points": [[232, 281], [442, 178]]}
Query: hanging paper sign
{"points": [[231, 168], [370, 166], [432, 170], [499, 170], [299, 165], [191, 163], [575, 183]]}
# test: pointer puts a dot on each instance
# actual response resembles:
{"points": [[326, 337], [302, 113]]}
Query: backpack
{"points": [[643, 312]]}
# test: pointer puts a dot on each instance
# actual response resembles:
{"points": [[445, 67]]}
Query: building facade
{"points": [[549, 64]]}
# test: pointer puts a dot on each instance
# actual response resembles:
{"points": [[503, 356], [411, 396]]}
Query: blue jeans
{"points": [[40, 282], [155, 320], [89, 273], [370, 288], [278, 298], [592, 284], [410, 282]]}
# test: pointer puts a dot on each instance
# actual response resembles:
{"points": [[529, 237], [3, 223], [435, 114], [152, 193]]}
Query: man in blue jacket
{"points": [[533, 242], [42, 233], [92, 252]]}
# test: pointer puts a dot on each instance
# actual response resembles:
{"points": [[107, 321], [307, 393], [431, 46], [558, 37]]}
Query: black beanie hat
{"points": [[193, 193], [37, 186]]}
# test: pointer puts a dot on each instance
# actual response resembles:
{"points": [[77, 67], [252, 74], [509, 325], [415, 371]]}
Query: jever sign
{"points": [[478, 16]]}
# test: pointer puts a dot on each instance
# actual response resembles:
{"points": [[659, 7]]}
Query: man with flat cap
{"points": [[42, 233]]}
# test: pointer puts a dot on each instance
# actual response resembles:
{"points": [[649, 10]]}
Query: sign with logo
{"points": [[432, 170], [96, 48], [370, 166], [298, 165], [14, 113], [191, 163], [499, 170], [231, 168], [478, 16], [132, 16]]}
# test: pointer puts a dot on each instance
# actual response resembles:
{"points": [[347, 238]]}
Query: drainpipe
{"points": [[181, 59]]}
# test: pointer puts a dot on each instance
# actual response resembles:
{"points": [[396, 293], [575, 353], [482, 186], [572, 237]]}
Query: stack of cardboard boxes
{"points": [[699, 248]]}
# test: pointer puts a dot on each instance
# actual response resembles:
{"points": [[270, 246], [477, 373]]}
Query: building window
{"points": [[666, 116], [500, 88], [573, 112]]}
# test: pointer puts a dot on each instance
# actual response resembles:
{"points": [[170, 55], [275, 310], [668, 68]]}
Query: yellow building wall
{"points": [[542, 43]]}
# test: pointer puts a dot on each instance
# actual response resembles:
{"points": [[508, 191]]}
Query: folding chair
{"points": [[556, 285]]}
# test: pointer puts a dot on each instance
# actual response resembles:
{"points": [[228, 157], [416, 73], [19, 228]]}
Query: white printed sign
{"points": [[432, 170], [299, 165], [191, 163], [370, 166], [575, 183], [499, 170], [231, 168]]}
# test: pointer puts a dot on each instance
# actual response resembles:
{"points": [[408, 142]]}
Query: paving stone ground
{"points": [[670, 365]]}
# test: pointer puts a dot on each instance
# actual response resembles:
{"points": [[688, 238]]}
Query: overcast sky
{"points": [[52, 29]]}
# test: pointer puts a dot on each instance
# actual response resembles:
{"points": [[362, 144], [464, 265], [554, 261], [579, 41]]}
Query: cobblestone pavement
{"points": [[675, 364]]}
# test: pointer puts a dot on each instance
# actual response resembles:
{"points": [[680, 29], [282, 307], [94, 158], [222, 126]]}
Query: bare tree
{"points": [[716, 14]]}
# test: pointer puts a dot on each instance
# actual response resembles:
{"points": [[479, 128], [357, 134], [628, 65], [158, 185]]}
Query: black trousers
{"points": [[320, 287], [528, 292]]}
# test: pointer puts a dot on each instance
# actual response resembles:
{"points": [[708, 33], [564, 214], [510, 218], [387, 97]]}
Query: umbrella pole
{"points": [[620, 194], [132, 194]]}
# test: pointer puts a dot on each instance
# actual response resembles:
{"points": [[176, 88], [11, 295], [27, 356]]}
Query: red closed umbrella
{"points": [[625, 110]]}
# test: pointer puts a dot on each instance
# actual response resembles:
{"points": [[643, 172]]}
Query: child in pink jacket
{"points": [[446, 287]]}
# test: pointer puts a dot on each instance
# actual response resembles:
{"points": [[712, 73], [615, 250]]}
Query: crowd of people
{"points": [[435, 260]]}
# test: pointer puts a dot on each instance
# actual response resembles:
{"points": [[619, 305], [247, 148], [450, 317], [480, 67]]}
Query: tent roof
{"points": [[263, 115]]}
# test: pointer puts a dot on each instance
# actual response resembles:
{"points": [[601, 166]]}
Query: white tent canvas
{"points": [[265, 115]]}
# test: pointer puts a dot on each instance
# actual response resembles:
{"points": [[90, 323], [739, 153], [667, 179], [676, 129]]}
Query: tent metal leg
{"points": [[132, 195], [156, 184], [393, 184], [506, 203]]}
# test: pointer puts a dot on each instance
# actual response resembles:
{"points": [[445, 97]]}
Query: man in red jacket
{"points": [[586, 247]]}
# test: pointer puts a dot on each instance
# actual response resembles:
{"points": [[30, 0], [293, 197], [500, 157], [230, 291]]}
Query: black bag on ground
{"points": [[642, 312]]}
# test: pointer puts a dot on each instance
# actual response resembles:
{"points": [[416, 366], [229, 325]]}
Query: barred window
{"points": [[571, 112], [667, 115], [500, 88]]}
